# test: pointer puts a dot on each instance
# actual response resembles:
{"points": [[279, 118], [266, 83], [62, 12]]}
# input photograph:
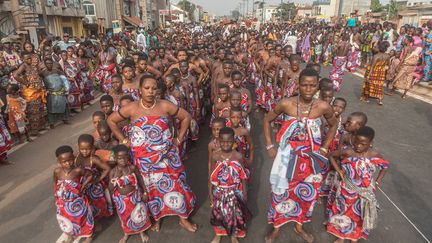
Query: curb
{"points": [[420, 91]]}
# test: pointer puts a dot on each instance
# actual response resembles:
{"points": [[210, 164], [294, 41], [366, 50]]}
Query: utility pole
{"points": [[263, 14]]}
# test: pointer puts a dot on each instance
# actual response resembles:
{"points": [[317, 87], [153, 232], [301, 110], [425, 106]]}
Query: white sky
{"points": [[224, 7]]}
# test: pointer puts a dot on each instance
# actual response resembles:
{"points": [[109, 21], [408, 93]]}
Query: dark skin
{"points": [[235, 118], [117, 91], [16, 95], [361, 148], [107, 107], [214, 145], [68, 171], [352, 125], [223, 103], [123, 168], [308, 86], [83, 160], [135, 110], [226, 152], [236, 81]]}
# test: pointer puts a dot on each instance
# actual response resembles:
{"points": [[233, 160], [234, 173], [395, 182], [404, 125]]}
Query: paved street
{"points": [[404, 129]]}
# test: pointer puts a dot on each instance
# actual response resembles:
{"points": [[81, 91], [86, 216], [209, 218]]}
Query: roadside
{"points": [[421, 91]]}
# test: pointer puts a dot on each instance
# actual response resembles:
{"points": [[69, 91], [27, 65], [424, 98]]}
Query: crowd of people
{"points": [[155, 102]]}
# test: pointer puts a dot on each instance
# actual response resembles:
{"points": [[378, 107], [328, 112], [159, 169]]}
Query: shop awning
{"points": [[135, 21]]}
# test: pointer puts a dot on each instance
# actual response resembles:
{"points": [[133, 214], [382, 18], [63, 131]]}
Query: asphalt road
{"points": [[404, 130]]}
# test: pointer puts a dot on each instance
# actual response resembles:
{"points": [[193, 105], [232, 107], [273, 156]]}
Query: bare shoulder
{"points": [[375, 153], [57, 170], [237, 156], [243, 131], [166, 105], [322, 105]]}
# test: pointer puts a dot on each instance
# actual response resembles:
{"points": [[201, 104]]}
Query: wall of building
{"points": [[105, 9], [346, 7]]}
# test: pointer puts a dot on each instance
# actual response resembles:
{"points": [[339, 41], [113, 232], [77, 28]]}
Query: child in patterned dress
{"points": [[97, 117], [354, 212], [16, 107], [74, 213], [129, 196], [228, 191]]}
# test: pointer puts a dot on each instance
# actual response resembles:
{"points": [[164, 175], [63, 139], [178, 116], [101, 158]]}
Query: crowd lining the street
{"points": [[157, 94]]}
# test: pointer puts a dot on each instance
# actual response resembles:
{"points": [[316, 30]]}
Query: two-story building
{"points": [[35, 18]]}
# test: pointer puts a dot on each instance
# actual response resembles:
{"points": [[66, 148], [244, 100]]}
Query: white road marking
{"points": [[406, 217]]}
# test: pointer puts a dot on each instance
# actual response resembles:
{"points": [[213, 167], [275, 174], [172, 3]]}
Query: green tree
{"points": [[188, 7], [235, 14], [393, 9], [286, 11], [376, 6]]}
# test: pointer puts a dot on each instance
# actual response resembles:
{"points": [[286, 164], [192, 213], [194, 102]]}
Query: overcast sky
{"points": [[224, 7]]}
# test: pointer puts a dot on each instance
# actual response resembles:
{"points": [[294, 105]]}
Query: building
{"points": [[7, 24], [416, 15], [322, 9], [412, 3], [346, 7], [154, 19], [266, 13], [35, 18], [99, 15], [304, 11]]}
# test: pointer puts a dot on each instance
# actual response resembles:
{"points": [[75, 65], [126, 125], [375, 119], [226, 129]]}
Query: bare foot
{"points": [[124, 239], [156, 227], [216, 239], [144, 237], [234, 239], [51, 126], [29, 139], [305, 236], [98, 227], [66, 122], [69, 239], [272, 236], [339, 241], [88, 240], [187, 225], [6, 162]]}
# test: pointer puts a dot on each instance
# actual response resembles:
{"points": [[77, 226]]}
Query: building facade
{"points": [[322, 8], [416, 15], [36, 18], [346, 7]]}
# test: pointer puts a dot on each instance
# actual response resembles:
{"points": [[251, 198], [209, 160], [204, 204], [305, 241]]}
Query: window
{"points": [[68, 30], [89, 9]]}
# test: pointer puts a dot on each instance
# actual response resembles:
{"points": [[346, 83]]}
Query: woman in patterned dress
{"points": [[72, 71], [87, 93], [296, 173], [33, 92], [404, 78], [155, 152], [376, 75]]}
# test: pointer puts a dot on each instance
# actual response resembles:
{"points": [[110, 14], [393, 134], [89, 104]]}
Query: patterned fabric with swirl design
{"points": [[159, 163], [74, 214]]}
